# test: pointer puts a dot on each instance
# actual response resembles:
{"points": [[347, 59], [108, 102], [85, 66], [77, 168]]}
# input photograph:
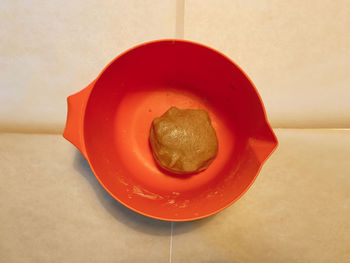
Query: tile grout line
{"points": [[180, 19], [171, 242], [47, 132]]}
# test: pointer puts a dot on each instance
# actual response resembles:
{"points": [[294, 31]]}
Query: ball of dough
{"points": [[183, 140]]}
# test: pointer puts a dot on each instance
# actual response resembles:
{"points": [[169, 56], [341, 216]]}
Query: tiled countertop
{"points": [[54, 210]]}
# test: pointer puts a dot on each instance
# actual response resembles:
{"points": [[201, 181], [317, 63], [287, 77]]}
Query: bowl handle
{"points": [[74, 130]]}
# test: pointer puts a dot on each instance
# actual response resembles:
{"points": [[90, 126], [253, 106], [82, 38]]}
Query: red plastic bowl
{"points": [[109, 122]]}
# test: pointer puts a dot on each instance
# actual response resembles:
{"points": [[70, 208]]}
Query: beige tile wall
{"points": [[51, 49], [296, 211], [296, 52], [53, 209]]}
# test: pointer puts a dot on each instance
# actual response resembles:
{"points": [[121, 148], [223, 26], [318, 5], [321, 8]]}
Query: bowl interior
{"points": [[142, 84]]}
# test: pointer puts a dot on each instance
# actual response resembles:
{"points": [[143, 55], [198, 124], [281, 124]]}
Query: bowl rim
{"points": [[266, 122]]}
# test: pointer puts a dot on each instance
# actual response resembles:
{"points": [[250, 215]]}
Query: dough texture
{"points": [[183, 140]]}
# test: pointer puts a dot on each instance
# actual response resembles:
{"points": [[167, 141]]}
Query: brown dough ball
{"points": [[183, 140]]}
